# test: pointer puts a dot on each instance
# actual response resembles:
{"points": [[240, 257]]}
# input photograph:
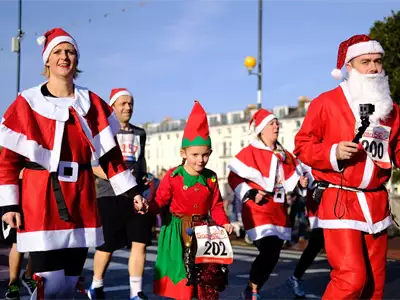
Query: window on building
{"points": [[159, 137], [225, 168], [177, 135], [213, 121], [241, 144], [298, 123], [219, 131], [224, 150], [168, 136], [229, 130], [282, 140], [244, 128], [236, 118], [230, 148]]}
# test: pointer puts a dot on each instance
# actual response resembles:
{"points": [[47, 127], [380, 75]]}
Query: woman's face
{"points": [[270, 132], [63, 61]]}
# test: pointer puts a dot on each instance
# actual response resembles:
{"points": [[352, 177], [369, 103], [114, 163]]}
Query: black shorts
{"points": [[121, 225], [71, 260]]}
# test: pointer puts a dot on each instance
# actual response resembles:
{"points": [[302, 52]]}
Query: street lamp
{"points": [[250, 61], [16, 45]]}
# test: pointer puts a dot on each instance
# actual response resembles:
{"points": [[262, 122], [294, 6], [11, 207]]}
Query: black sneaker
{"points": [[140, 296], [13, 291], [97, 293], [28, 283]]}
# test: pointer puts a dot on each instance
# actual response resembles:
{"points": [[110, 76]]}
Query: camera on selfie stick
{"points": [[365, 111]]}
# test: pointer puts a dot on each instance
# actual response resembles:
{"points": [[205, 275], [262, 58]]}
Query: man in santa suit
{"points": [[354, 209], [56, 131]]}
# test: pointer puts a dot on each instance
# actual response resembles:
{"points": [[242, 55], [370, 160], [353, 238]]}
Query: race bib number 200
{"points": [[375, 141], [213, 245]]}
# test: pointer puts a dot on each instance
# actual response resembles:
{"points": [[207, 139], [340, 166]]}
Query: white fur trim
{"points": [[291, 182], [122, 182], [254, 175], [9, 194], [241, 190], [60, 239], [19, 143], [365, 210], [39, 104], [264, 123], [56, 152], [367, 175], [333, 159], [337, 74], [363, 48], [353, 224], [119, 94], [256, 233], [58, 40], [41, 40], [313, 222]]}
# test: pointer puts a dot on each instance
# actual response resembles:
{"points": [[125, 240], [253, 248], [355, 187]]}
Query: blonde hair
{"points": [[46, 72]]}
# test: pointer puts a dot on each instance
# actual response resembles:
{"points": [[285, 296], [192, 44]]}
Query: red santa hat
{"points": [[116, 93], [261, 118], [196, 131], [52, 38], [355, 46]]}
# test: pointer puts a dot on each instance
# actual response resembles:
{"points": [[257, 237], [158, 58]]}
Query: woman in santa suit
{"points": [[261, 175], [55, 131]]}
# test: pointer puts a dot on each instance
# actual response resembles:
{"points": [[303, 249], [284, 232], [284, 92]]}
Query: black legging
{"points": [[315, 245], [262, 267]]}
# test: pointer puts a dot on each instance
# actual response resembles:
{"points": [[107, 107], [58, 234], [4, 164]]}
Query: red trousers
{"points": [[359, 264]]}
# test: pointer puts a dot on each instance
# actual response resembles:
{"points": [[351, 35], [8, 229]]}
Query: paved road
{"points": [[117, 281]]}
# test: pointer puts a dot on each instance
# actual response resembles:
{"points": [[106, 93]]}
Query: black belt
{"points": [[62, 207]]}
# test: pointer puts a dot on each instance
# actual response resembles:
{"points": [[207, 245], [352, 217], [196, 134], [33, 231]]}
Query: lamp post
{"points": [[250, 61], [16, 44]]}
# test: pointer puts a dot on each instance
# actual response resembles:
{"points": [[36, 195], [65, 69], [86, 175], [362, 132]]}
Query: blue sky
{"points": [[169, 53]]}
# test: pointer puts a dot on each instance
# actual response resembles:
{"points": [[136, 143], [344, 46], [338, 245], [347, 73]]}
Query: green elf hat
{"points": [[196, 131]]}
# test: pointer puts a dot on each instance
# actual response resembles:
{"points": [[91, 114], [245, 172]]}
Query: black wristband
{"points": [[10, 208]]}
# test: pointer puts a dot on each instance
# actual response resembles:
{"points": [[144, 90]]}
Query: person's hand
{"points": [[303, 181], [140, 204], [13, 219], [260, 196], [346, 150], [228, 228]]}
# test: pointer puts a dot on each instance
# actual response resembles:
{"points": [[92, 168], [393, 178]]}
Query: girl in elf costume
{"points": [[261, 175], [191, 192]]}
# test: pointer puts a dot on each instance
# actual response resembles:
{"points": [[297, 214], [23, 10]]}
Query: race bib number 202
{"points": [[213, 245], [375, 141]]}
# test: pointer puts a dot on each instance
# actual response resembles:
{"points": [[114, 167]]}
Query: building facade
{"points": [[229, 133]]}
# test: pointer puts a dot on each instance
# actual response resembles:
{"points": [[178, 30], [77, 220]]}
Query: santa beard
{"points": [[373, 89]]}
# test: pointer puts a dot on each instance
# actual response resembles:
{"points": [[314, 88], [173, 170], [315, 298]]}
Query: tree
{"points": [[387, 33]]}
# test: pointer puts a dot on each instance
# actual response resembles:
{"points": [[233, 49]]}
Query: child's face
{"points": [[196, 157]]}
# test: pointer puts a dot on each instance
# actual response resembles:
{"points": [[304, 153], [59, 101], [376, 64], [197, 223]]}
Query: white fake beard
{"points": [[373, 89]]}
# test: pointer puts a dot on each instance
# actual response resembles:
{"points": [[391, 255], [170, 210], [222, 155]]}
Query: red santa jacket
{"points": [[33, 129], [257, 167], [194, 200], [330, 120]]}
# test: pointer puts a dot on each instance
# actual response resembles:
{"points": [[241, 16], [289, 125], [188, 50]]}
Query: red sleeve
{"points": [[163, 194], [310, 147], [11, 165], [238, 185], [396, 148], [121, 179], [217, 209]]}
